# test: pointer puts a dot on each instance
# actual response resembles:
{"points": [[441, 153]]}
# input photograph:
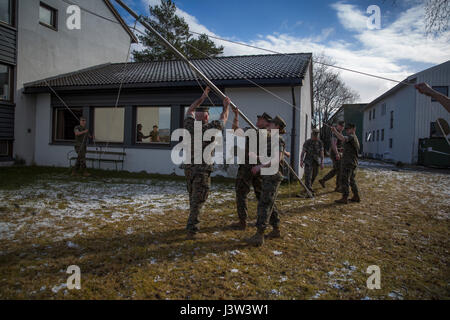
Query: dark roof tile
{"points": [[267, 67]]}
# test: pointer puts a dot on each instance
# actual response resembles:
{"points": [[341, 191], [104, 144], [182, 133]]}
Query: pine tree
{"points": [[175, 29]]}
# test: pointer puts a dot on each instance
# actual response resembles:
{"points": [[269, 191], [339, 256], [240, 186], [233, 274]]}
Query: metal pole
{"points": [[200, 74]]}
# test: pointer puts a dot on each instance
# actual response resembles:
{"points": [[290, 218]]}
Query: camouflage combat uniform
{"points": [[269, 191], [245, 179], [336, 171], [313, 150], [80, 147], [349, 164], [154, 136], [198, 176]]}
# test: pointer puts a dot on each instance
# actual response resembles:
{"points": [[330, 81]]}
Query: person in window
{"points": [[154, 135], [139, 135], [81, 140], [425, 89], [198, 175]]}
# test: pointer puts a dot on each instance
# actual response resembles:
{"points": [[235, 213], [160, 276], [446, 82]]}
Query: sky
{"points": [[337, 29]]}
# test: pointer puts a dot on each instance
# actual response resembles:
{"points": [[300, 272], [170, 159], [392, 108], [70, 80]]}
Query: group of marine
{"points": [[344, 154]]}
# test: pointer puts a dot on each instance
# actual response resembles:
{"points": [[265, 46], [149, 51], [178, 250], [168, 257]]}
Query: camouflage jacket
{"points": [[313, 150], [351, 150], [189, 126], [82, 139]]}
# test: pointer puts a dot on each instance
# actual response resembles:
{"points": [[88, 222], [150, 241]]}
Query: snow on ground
{"points": [[47, 203]]}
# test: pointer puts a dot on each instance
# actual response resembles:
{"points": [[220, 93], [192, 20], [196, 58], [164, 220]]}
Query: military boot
{"points": [[343, 200], [257, 239], [274, 234], [241, 225], [322, 183], [355, 198]]}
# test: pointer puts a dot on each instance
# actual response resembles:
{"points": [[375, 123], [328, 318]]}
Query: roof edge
{"points": [[31, 83]]}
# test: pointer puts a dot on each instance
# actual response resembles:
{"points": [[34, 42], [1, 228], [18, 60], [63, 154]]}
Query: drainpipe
{"points": [[293, 130]]}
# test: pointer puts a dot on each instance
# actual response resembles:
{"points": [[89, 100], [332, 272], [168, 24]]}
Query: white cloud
{"points": [[390, 52]]}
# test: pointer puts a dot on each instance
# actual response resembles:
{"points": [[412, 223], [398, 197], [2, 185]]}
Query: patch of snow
{"points": [[277, 253], [55, 289], [234, 270]]}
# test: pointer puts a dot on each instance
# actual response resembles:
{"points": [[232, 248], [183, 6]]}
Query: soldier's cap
{"points": [[265, 116], [349, 126], [202, 109], [280, 123]]}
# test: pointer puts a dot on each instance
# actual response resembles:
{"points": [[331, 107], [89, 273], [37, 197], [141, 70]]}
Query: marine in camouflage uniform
{"points": [[269, 191], [349, 164], [245, 179], [81, 140], [312, 157], [198, 176], [336, 158]]}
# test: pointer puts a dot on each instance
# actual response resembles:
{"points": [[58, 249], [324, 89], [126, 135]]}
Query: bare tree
{"points": [[329, 91], [437, 16]]}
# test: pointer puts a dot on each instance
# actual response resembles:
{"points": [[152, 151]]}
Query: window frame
{"points": [[391, 143], [12, 15], [10, 84], [391, 121], [54, 125], [135, 123], [382, 134], [55, 16], [436, 88], [8, 148]]}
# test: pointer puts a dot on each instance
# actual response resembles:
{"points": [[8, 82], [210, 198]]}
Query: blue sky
{"points": [[337, 29]]}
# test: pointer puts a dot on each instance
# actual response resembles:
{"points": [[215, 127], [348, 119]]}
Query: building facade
{"points": [[396, 121], [158, 94], [36, 43]]}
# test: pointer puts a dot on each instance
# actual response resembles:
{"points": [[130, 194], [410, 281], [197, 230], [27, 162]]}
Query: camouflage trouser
{"points": [[348, 179], [198, 184], [336, 171], [311, 171], [269, 191], [245, 179], [81, 157]]}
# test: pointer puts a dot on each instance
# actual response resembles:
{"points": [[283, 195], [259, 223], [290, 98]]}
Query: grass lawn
{"points": [[126, 233]]}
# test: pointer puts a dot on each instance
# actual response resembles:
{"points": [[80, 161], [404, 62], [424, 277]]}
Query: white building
{"points": [[157, 93], [35, 43], [395, 121]]}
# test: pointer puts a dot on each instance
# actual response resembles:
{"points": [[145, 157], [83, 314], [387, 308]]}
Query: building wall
{"points": [[427, 111], [413, 114], [43, 52], [252, 101], [402, 104]]}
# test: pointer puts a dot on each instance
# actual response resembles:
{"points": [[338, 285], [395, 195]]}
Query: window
{"points": [[373, 135], [373, 116], [378, 135], [5, 148], [153, 124], [6, 11], [392, 120], [5, 80], [370, 115], [391, 142], [383, 109], [48, 16], [440, 89], [64, 122], [109, 124], [382, 134]]}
